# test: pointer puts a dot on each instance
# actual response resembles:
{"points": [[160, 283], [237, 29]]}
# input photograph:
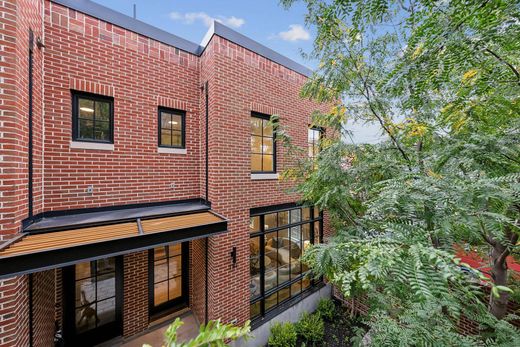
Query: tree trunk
{"points": [[498, 306]]}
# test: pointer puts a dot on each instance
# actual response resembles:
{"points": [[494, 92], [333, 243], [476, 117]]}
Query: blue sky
{"points": [[264, 21]]}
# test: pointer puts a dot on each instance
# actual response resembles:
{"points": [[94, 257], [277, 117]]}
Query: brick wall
{"points": [[239, 83], [43, 308], [135, 289], [90, 55]]}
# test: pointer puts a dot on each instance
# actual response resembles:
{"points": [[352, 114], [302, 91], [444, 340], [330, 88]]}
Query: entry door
{"points": [[92, 301], [168, 278]]}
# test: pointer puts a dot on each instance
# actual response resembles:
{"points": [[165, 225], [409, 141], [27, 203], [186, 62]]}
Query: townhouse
{"points": [[139, 177]]}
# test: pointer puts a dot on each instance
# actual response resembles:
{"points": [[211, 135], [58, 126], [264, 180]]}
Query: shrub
{"points": [[310, 328], [326, 309], [282, 335]]}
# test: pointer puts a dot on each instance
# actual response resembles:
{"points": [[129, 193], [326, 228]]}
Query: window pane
{"points": [[270, 221], [86, 129], [271, 260], [256, 144], [166, 120], [296, 288], [271, 301], [254, 224], [174, 266], [255, 309], [175, 288], [166, 137], [311, 151], [175, 249], [106, 286], [268, 129], [267, 146], [160, 270], [102, 131], [282, 243], [316, 212], [256, 126], [283, 218], [306, 213], [311, 135], [160, 293], [176, 122], [159, 253], [106, 265], [86, 108], [102, 111], [256, 162], [83, 324], [83, 270], [177, 138], [267, 162], [106, 311], [85, 291], [317, 232], [296, 216], [306, 282], [283, 294], [254, 266]]}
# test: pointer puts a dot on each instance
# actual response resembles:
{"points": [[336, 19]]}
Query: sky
{"points": [[264, 21]]}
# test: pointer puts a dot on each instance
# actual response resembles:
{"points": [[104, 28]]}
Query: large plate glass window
{"points": [[92, 118], [263, 150], [277, 242], [171, 128]]}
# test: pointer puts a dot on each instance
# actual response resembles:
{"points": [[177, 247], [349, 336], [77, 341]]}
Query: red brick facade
{"points": [[86, 54]]}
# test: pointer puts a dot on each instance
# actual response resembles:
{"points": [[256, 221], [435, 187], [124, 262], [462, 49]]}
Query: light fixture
{"points": [[86, 109], [173, 122]]}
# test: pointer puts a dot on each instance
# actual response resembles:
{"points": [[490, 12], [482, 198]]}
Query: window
{"points": [[167, 277], [171, 128], [277, 242], [313, 142], [92, 118], [263, 151]]}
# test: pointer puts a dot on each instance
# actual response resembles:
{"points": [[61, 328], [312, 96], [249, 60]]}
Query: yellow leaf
{"points": [[468, 75]]}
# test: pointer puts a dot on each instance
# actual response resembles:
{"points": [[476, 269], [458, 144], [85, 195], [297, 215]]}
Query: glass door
{"points": [[168, 278], [92, 301]]}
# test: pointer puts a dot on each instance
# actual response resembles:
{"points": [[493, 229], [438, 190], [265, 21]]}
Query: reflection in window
{"points": [[92, 117], [171, 128], [275, 252], [262, 144], [95, 294]]}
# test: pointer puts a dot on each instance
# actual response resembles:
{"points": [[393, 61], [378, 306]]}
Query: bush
{"points": [[326, 309], [282, 335], [310, 328]]}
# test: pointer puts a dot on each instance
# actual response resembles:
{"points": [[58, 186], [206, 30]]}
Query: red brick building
{"points": [[139, 176]]}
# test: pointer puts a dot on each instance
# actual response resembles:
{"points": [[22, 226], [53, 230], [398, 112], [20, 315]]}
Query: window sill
{"points": [[264, 176], [172, 150], [92, 145]]}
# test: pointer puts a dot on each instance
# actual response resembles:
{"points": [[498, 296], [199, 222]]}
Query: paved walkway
{"points": [[155, 337]]}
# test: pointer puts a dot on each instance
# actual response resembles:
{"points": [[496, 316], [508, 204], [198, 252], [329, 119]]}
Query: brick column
{"points": [[43, 308], [135, 293]]}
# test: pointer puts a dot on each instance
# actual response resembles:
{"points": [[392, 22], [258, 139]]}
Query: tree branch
{"points": [[503, 61]]}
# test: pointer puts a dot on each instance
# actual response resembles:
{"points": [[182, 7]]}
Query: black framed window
{"points": [[263, 146], [92, 117], [277, 241], [313, 141], [171, 128], [168, 277]]}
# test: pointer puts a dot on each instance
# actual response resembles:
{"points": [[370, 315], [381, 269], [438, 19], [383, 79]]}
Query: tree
{"points": [[441, 80], [213, 334]]}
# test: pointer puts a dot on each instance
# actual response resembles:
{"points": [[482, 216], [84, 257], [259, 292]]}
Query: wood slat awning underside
{"points": [[37, 252]]}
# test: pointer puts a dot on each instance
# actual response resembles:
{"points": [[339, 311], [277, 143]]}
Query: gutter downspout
{"points": [[206, 85], [30, 125]]}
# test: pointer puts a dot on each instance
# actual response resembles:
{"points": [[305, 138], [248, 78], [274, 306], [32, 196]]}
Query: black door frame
{"points": [[97, 335], [176, 304]]}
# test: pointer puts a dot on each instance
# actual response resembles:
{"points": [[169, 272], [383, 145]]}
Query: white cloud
{"points": [[296, 32], [206, 19]]}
